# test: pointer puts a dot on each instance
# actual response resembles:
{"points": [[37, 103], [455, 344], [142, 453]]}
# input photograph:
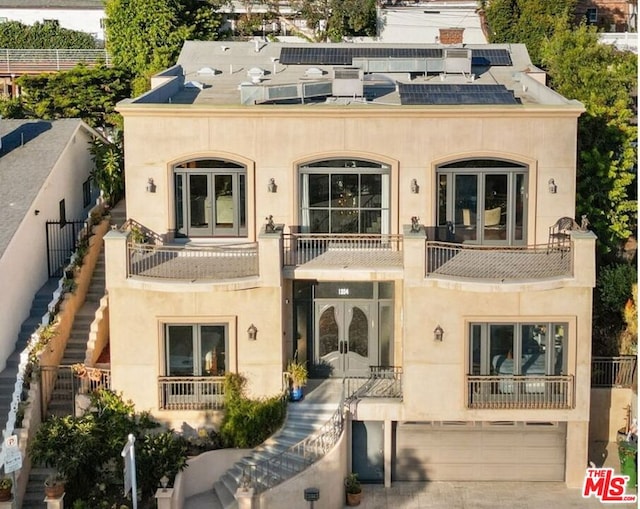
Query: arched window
{"points": [[210, 198], [483, 201], [344, 196]]}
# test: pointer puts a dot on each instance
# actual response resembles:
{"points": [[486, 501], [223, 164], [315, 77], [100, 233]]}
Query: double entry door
{"points": [[344, 337]]}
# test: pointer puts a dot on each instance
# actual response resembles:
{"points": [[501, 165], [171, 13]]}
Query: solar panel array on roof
{"points": [[455, 94], [491, 57], [344, 56], [311, 55]]}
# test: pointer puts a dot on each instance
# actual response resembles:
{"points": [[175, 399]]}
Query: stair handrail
{"points": [[260, 475], [131, 224]]}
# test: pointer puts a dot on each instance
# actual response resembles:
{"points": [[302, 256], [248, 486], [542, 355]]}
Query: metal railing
{"points": [[500, 263], [613, 371], [301, 248], [273, 471], [382, 382], [17, 61], [228, 261], [191, 393], [61, 384], [520, 392]]}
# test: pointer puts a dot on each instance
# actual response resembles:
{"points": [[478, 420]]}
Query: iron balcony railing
{"points": [[301, 248], [191, 393], [382, 382], [613, 371], [515, 263], [20, 61], [226, 261], [520, 392]]}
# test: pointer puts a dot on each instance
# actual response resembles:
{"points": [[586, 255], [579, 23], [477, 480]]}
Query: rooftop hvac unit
{"points": [[348, 82], [457, 61]]}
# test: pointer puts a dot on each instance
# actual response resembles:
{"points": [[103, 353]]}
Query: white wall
{"points": [[23, 266]]}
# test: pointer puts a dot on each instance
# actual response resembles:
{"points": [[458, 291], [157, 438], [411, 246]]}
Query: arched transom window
{"points": [[344, 196], [210, 198]]}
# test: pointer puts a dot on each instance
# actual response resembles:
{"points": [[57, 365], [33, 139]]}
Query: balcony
{"points": [[191, 263], [325, 250], [520, 392], [191, 393], [613, 371], [497, 263]]}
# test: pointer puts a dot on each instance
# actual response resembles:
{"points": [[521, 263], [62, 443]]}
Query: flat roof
{"points": [[260, 72]]}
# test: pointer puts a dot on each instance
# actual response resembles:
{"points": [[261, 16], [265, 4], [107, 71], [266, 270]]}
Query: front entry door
{"points": [[343, 337]]}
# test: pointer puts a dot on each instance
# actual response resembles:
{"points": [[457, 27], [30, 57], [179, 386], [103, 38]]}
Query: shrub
{"points": [[249, 422]]}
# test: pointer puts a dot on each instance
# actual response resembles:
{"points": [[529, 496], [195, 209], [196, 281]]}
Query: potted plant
{"points": [[5, 489], [353, 489], [54, 485], [298, 376]]}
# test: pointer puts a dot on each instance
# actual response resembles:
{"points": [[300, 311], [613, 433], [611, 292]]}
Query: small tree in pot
{"points": [[353, 489], [298, 376], [5, 489]]}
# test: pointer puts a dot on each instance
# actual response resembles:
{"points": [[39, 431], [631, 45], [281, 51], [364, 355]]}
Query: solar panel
{"points": [[438, 94], [344, 56], [491, 57]]}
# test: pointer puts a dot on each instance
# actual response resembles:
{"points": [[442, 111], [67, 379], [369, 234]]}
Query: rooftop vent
{"points": [[457, 61], [314, 72], [256, 74], [348, 82]]}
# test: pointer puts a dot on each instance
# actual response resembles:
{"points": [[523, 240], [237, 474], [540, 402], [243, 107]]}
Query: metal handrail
{"points": [[520, 391], [613, 371]]}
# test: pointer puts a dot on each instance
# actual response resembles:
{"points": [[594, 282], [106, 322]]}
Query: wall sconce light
{"points": [[151, 186], [438, 333], [415, 188], [272, 187], [553, 188], [252, 332]]}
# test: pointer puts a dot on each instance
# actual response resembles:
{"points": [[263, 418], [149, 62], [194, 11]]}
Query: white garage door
{"points": [[479, 452]]}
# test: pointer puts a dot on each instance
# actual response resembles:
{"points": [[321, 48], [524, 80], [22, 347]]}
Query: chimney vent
{"points": [[451, 35]]}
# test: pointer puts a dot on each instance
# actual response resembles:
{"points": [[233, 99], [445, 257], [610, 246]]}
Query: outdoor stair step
{"points": [[226, 497]]}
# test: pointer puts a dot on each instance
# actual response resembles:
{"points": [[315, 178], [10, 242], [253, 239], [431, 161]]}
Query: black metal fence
{"points": [[62, 238]]}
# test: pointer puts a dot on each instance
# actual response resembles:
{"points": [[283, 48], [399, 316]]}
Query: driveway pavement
{"points": [[479, 495]]}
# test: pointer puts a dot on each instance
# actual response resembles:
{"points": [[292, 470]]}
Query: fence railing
{"points": [[61, 384], [228, 261], [191, 393], [613, 371], [382, 382], [17, 61], [520, 392], [301, 248], [496, 262]]}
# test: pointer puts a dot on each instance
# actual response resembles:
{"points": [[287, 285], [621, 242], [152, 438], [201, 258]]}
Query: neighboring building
{"points": [[609, 15], [44, 177], [349, 150], [82, 15], [422, 22]]}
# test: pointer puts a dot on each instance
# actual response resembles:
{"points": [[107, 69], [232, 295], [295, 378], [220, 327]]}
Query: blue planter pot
{"points": [[296, 394]]}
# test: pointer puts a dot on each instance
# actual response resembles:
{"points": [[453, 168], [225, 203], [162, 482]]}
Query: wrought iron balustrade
{"points": [[191, 393], [301, 248], [520, 392], [226, 261], [497, 263], [613, 371]]}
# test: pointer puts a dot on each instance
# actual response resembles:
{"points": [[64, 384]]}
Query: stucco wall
{"points": [[23, 266], [271, 142], [608, 412]]}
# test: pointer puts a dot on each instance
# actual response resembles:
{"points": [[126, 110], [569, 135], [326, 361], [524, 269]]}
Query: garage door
{"points": [[479, 452]]}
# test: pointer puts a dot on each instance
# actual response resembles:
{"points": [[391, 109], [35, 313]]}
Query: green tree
{"points": [[108, 173], [145, 36], [86, 93], [526, 21], [335, 19], [603, 79], [14, 34]]}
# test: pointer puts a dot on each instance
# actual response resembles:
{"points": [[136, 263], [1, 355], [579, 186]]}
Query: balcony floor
{"points": [[365, 259]]}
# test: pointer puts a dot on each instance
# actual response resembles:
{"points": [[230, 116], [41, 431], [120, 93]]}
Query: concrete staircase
{"points": [[303, 419], [62, 399]]}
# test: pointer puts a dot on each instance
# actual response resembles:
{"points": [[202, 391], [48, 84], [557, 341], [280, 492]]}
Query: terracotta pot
{"points": [[5, 494], [54, 490], [354, 499]]}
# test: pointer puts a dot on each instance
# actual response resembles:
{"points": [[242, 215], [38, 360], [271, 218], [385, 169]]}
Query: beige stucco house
{"points": [[374, 210]]}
